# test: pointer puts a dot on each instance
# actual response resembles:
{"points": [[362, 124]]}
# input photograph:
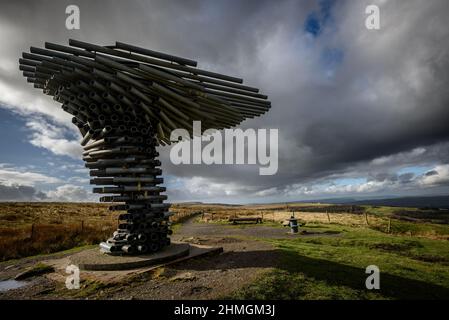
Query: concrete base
{"points": [[118, 276], [94, 259]]}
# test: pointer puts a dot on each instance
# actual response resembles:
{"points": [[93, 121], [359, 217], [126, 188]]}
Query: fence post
{"points": [[366, 218], [389, 225], [32, 231], [328, 216]]}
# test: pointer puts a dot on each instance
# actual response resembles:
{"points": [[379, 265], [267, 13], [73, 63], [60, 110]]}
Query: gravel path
{"points": [[208, 278], [218, 230]]}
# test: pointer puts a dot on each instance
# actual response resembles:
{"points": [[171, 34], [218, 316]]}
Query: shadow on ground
{"points": [[332, 273]]}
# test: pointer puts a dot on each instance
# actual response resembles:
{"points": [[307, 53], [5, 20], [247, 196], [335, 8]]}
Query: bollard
{"points": [[293, 223]]}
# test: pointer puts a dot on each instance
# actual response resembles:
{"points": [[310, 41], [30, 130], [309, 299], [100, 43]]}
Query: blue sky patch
{"points": [[312, 24], [317, 20]]}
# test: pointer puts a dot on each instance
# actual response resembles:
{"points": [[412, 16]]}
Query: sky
{"points": [[361, 113]]}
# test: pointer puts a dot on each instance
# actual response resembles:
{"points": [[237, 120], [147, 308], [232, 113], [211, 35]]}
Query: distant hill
{"points": [[431, 202], [417, 202]]}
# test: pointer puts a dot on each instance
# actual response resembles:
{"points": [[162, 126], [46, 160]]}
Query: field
{"points": [[326, 261], [28, 229]]}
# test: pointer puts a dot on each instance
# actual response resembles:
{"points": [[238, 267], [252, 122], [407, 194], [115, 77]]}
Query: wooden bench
{"points": [[252, 219]]}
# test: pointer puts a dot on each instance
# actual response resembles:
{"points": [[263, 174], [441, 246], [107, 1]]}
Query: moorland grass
{"points": [[334, 267]]}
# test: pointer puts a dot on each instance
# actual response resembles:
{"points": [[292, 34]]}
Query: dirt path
{"points": [[212, 277], [219, 230]]}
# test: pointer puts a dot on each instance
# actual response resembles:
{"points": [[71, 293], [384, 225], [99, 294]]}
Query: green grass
{"points": [[384, 211], [41, 268], [175, 227], [414, 228], [36, 270], [88, 288], [334, 267]]}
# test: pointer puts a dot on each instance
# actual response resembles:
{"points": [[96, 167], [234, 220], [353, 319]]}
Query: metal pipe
{"points": [[96, 48], [155, 54]]}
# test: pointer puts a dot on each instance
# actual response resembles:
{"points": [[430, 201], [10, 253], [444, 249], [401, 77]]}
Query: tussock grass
{"points": [[28, 229], [48, 238], [385, 220]]}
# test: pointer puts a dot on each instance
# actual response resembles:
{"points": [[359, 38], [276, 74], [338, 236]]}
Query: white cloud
{"points": [[16, 94], [402, 157], [20, 193], [20, 184], [297, 190], [437, 176], [267, 192], [79, 180], [198, 185], [27, 102], [70, 193], [201, 187], [16, 176], [51, 137]]}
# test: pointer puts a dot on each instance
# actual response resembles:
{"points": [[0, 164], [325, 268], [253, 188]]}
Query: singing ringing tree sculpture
{"points": [[125, 100]]}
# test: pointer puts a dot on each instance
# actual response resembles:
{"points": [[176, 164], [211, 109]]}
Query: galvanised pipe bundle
{"points": [[126, 100]]}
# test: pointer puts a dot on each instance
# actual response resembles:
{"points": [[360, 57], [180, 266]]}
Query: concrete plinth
{"points": [[94, 259]]}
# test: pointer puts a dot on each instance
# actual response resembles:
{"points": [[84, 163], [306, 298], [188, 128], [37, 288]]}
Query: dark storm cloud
{"points": [[372, 106], [348, 101], [431, 173]]}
